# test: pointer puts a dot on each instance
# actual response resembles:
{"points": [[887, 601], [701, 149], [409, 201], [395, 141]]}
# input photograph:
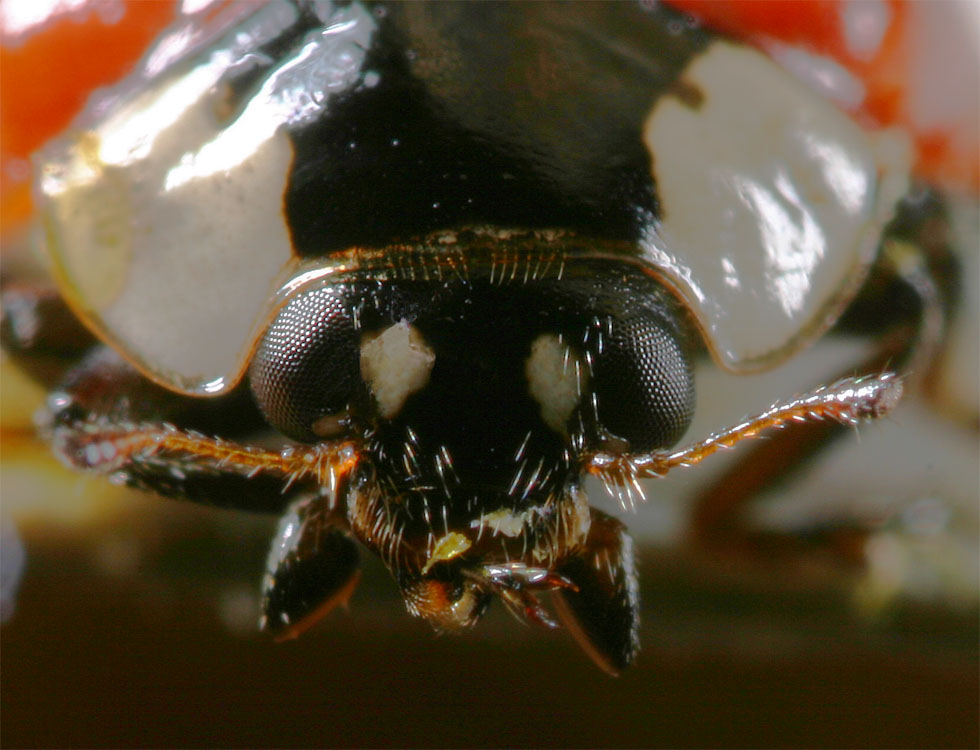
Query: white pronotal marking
{"points": [[771, 205], [167, 196], [553, 374], [395, 365], [108, 450]]}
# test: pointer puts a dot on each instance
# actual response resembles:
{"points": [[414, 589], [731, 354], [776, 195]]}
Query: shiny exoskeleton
{"points": [[458, 256]]}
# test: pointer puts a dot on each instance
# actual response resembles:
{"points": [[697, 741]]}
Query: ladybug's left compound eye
{"points": [[637, 393], [643, 382], [306, 370]]}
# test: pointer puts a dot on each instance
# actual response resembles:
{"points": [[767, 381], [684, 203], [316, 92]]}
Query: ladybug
{"points": [[458, 257]]}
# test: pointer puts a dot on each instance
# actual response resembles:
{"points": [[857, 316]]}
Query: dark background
{"points": [[135, 629]]}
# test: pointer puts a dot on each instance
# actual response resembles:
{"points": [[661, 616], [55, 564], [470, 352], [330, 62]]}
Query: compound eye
{"points": [[643, 382], [305, 372]]}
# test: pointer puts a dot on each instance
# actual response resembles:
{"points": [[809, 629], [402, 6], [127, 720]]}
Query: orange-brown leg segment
{"points": [[844, 403], [912, 283], [188, 465], [906, 303], [720, 506], [108, 419], [105, 417]]}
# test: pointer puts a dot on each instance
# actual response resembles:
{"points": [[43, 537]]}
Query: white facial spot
{"points": [[395, 365], [555, 377]]}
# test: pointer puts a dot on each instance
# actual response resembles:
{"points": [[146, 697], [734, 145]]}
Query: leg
{"points": [[907, 301], [187, 465], [39, 333], [846, 402], [107, 418], [601, 608], [45, 339], [312, 567]]}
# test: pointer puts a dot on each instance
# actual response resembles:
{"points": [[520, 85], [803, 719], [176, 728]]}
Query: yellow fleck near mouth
{"points": [[451, 545]]}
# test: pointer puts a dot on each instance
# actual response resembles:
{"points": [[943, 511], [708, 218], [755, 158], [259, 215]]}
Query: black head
{"points": [[476, 386]]}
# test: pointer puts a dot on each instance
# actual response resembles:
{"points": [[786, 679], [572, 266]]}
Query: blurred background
{"points": [[131, 621]]}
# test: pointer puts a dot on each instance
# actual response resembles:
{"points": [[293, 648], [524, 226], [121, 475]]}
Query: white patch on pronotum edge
{"points": [[769, 204], [554, 375], [396, 364]]}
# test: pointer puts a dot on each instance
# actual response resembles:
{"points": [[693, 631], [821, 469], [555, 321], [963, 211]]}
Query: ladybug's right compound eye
{"points": [[306, 370]]}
